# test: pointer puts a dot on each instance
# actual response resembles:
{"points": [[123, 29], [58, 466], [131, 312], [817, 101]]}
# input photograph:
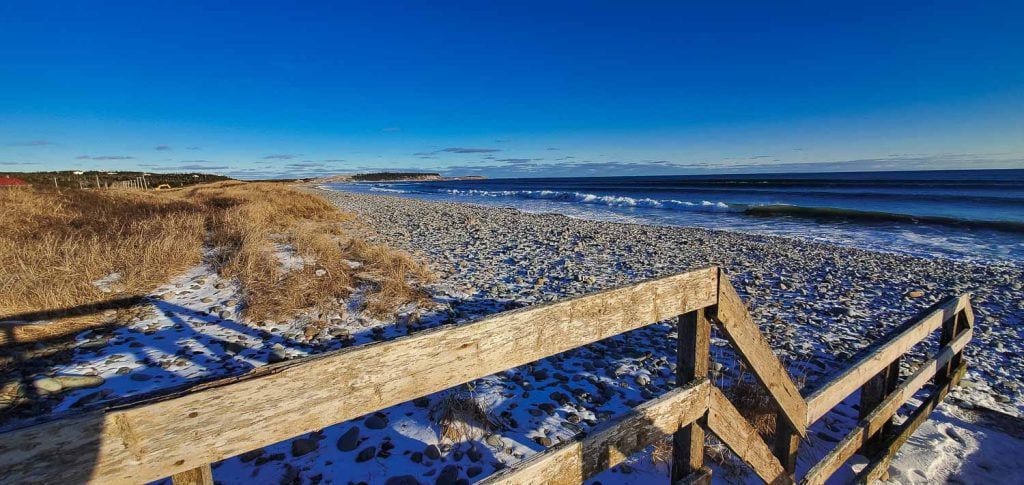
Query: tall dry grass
{"points": [[54, 246], [255, 224]]}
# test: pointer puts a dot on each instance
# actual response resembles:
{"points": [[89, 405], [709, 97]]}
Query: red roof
{"points": [[5, 180]]}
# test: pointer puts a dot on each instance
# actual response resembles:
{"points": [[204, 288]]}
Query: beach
{"points": [[819, 305]]}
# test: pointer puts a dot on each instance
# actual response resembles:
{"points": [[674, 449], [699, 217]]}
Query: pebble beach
{"points": [[819, 305]]}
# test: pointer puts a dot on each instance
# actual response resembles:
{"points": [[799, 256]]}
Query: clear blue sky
{"points": [[259, 89]]}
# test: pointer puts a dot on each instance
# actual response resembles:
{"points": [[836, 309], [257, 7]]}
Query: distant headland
{"points": [[393, 177]]}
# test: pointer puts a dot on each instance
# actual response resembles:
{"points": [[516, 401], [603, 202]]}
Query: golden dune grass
{"points": [[55, 245]]}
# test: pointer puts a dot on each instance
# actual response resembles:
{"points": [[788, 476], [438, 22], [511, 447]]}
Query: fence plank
{"points": [[610, 444], [880, 467], [692, 353], [871, 395], [733, 429], [153, 440], [196, 476], [825, 398], [744, 334], [883, 412]]}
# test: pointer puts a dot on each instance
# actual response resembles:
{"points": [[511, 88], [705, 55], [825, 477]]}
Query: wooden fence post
{"points": [[872, 394], [787, 441], [196, 476], [951, 327], [694, 333]]}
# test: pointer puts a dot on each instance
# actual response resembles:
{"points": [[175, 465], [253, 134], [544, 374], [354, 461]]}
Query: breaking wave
{"points": [[595, 199]]}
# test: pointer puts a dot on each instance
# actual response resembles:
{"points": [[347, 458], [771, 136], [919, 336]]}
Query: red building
{"points": [[6, 181]]}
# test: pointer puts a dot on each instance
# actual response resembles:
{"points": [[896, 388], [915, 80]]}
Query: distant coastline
{"points": [[394, 177]]}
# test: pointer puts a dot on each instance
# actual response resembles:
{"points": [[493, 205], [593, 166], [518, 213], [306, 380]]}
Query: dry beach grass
{"points": [[79, 248]]}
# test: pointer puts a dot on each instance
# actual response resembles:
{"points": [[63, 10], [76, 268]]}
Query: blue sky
{"points": [[264, 89]]}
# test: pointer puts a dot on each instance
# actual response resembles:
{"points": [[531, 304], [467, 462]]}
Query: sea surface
{"points": [[961, 214]]}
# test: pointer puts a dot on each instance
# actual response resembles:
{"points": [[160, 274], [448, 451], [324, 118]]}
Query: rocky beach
{"points": [[819, 305]]}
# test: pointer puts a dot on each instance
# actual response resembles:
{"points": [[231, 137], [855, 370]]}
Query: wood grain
{"points": [[883, 412], [825, 398], [692, 353], [726, 422], [153, 440], [731, 314], [880, 467], [196, 476], [612, 443]]}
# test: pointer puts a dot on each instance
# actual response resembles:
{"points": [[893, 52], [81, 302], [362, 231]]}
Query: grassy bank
{"points": [[63, 253]]}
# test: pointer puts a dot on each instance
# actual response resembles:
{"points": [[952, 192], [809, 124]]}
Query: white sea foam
{"points": [[385, 189], [595, 199]]}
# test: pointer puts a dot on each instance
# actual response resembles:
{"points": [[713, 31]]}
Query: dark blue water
{"points": [[962, 214]]}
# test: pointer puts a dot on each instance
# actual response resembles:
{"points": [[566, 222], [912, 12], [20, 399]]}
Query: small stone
{"points": [[402, 480], [421, 402], [48, 385], [432, 452], [167, 296], [377, 421], [449, 475], [79, 382], [366, 454], [495, 441], [642, 380], [302, 446], [250, 455], [350, 440], [915, 294], [543, 441], [474, 471]]}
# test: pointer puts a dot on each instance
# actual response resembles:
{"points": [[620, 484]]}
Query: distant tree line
{"points": [[89, 179], [385, 176]]}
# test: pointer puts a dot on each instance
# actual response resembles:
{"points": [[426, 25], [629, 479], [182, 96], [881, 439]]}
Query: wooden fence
{"points": [[180, 435]]}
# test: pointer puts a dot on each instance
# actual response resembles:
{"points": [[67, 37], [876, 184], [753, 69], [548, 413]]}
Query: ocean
{"points": [[973, 215]]}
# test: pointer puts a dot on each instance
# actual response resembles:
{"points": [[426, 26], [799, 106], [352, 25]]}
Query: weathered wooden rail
{"points": [[180, 435]]}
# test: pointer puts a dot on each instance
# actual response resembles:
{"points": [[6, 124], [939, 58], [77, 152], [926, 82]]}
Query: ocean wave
{"points": [[780, 210], [385, 189], [595, 199]]}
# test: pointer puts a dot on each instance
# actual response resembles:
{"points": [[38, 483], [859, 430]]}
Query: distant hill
{"points": [[392, 177], [88, 179]]}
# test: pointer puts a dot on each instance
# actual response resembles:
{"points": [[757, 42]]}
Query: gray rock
{"points": [[349, 440], [366, 454], [495, 441], [79, 382], [302, 446], [47, 385], [402, 480], [377, 421], [449, 475], [432, 452]]}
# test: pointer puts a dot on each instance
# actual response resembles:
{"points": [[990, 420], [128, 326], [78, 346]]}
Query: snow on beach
{"points": [[819, 304]]}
